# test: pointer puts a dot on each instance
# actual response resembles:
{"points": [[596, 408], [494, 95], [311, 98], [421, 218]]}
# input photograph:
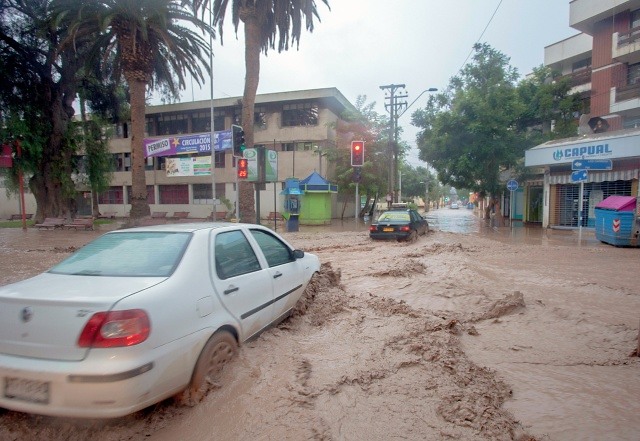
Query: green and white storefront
{"points": [[555, 189]]}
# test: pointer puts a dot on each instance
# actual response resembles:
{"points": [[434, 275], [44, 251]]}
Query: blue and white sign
{"points": [[591, 164], [512, 185], [579, 176], [611, 146]]}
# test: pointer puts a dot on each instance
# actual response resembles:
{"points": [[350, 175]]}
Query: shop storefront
{"points": [[566, 166]]}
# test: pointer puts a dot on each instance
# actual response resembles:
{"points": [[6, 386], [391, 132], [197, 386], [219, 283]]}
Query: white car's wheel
{"points": [[220, 348]]}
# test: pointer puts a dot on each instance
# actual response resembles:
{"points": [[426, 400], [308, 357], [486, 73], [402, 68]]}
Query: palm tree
{"points": [[150, 46], [265, 21]]}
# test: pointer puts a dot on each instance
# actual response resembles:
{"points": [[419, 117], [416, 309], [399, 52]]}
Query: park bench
{"points": [[159, 215], [180, 214], [51, 222], [85, 223], [19, 216], [274, 215]]}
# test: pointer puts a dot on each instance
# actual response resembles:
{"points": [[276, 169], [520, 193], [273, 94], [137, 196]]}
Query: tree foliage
{"points": [[362, 124], [149, 43], [484, 121], [36, 95]]}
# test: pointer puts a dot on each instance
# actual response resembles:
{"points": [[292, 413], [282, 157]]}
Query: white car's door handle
{"points": [[276, 275], [231, 289]]}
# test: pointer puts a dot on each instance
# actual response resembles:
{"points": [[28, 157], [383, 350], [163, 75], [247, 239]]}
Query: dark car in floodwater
{"points": [[399, 224]]}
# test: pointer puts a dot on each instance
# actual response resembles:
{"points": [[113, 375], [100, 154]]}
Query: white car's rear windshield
{"points": [[144, 254]]}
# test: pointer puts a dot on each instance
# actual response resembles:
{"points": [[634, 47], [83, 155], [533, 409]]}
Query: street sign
{"points": [[591, 164], [579, 176], [512, 185]]}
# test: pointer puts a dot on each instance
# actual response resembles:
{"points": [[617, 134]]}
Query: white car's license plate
{"points": [[26, 390]]}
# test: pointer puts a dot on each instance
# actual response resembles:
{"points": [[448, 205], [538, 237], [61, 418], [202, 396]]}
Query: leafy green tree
{"points": [[485, 120], [267, 24], [151, 43], [545, 95], [468, 132], [36, 95]]}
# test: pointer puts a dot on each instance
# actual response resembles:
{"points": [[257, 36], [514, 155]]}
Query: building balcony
{"points": [[626, 46], [580, 77], [625, 100]]}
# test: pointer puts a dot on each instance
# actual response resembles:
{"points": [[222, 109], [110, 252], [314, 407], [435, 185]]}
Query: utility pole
{"points": [[392, 107]]}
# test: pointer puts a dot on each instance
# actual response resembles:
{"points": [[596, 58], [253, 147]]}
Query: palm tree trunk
{"points": [[252, 66], [139, 205]]}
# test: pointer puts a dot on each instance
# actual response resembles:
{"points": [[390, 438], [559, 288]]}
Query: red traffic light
{"points": [[357, 153], [243, 168]]}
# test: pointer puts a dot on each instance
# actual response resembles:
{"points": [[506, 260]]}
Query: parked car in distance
{"points": [[143, 314], [454, 206], [399, 224]]}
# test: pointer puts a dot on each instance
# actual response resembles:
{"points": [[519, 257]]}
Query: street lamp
{"points": [[431, 89]]}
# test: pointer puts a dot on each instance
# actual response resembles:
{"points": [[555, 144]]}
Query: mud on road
{"points": [[450, 337]]}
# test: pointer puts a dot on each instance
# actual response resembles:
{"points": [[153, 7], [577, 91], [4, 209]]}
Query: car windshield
{"points": [[394, 216], [143, 254]]}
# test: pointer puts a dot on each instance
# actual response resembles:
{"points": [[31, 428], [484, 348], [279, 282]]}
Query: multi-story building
{"points": [[603, 62], [298, 125]]}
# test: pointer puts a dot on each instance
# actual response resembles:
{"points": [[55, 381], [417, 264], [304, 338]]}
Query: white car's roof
{"points": [[187, 227]]}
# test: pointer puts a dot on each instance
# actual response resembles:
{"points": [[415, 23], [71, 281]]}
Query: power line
{"points": [[481, 35]]}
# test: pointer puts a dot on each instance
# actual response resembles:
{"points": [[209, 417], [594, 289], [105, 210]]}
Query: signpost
{"points": [[512, 186], [580, 174]]}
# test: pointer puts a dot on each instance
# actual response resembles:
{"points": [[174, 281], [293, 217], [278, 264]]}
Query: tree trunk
{"points": [[252, 66], [52, 186], [139, 205]]}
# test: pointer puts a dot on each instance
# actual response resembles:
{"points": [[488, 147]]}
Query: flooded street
{"points": [[472, 332]]}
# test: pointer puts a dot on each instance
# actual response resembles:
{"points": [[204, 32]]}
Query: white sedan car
{"points": [[143, 314]]}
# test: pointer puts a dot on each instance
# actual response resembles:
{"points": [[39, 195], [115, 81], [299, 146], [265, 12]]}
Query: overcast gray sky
{"points": [[360, 45]]}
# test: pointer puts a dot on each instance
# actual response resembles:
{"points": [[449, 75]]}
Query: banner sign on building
{"points": [[187, 144], [194, 166]]}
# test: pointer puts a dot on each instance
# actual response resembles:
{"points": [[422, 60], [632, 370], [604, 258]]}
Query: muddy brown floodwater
{"points": [[455, 336]]}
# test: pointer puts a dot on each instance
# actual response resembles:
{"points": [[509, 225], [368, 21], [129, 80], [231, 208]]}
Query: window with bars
{"points": [[114, 195], [566, 210], [174, 194]]}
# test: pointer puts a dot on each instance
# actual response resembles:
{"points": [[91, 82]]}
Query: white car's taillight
{"points": [[115, 329]]}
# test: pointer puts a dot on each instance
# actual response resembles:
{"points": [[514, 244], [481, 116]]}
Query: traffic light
{"points": [[357, 153], [237, 140], [243, 168]]}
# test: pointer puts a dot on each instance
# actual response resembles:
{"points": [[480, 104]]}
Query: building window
{"points": [[302, 146], [635, 18], [114, 195], [220, 159], [151, 195], [302, 114], [202, 193], [174, 194], [633, 74], [201, 122], [581, 65], [260, 117], [172, 124], [150, 127]]}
